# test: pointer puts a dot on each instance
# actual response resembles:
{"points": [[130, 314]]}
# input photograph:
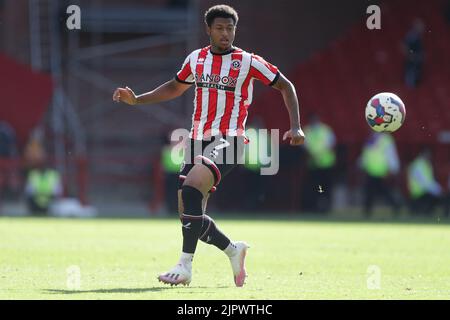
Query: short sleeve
{"points": [[185, 74], [263, 70]]}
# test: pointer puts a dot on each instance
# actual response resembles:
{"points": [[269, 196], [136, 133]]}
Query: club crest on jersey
{"points": [[235, 64]]}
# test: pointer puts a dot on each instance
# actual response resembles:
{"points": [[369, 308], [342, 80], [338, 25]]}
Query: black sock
{"points": [[191, 219], [210, 234]]}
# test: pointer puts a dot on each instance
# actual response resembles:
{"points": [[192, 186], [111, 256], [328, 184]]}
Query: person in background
{"points": [[424, 191], [171, 161], [414, 51], [379, 161], [43, 185], [9, 173], [256, 184], [322, 158]]}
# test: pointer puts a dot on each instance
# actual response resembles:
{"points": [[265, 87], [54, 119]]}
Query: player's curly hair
{"points": [[220, 11]]}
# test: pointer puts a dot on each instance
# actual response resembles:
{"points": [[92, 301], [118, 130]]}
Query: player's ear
{"points": [[208, 29]]}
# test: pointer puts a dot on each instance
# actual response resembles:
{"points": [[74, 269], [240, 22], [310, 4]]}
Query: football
{"points": [[385, 112]]}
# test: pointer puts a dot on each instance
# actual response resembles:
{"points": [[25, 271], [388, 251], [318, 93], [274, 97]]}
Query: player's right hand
{"points": [[296, 136], [125, 95]]}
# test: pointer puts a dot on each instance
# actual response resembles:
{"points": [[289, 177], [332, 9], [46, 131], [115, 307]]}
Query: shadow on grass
{"points": [[125, 290], [113, 290]]}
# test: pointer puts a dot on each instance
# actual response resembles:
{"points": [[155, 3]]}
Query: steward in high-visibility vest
{"points": [[421, 178], [253, 151], [256, 158], [424, 190], [379, 156], [320, 145], [171, 161], [43, 185], [379, 159]]}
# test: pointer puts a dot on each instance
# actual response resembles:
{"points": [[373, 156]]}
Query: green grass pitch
{"points": [[288, 259]]}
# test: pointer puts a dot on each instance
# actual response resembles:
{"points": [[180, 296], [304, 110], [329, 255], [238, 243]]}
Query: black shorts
{"points": [[220, 154]]}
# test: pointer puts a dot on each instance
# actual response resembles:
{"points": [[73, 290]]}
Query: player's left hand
{"points": [[296, 135]]}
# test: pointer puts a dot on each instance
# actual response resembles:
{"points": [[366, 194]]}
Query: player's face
{"points": [[221, 33]]}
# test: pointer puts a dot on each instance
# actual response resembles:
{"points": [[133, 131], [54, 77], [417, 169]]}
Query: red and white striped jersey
{"points": [[223, 89]]}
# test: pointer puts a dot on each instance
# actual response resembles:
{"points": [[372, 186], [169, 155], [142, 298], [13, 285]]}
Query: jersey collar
{"points": [[232, 49]]}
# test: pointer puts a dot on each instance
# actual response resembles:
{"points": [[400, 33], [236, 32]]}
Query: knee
{"points": [[191, 198], [200, 178], [195, 182]]}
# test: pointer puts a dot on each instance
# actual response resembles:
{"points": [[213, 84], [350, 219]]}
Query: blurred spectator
{"points": [[8, 146], [34, 150], [9, 177], [379, 161], [320, 144], [414, 52], [259, 145], [424, 191], [43, 186], [171, 160]]}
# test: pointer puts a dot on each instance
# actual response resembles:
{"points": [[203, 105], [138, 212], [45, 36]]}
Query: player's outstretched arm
{"points": [[167, 91], [287, 89]]}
